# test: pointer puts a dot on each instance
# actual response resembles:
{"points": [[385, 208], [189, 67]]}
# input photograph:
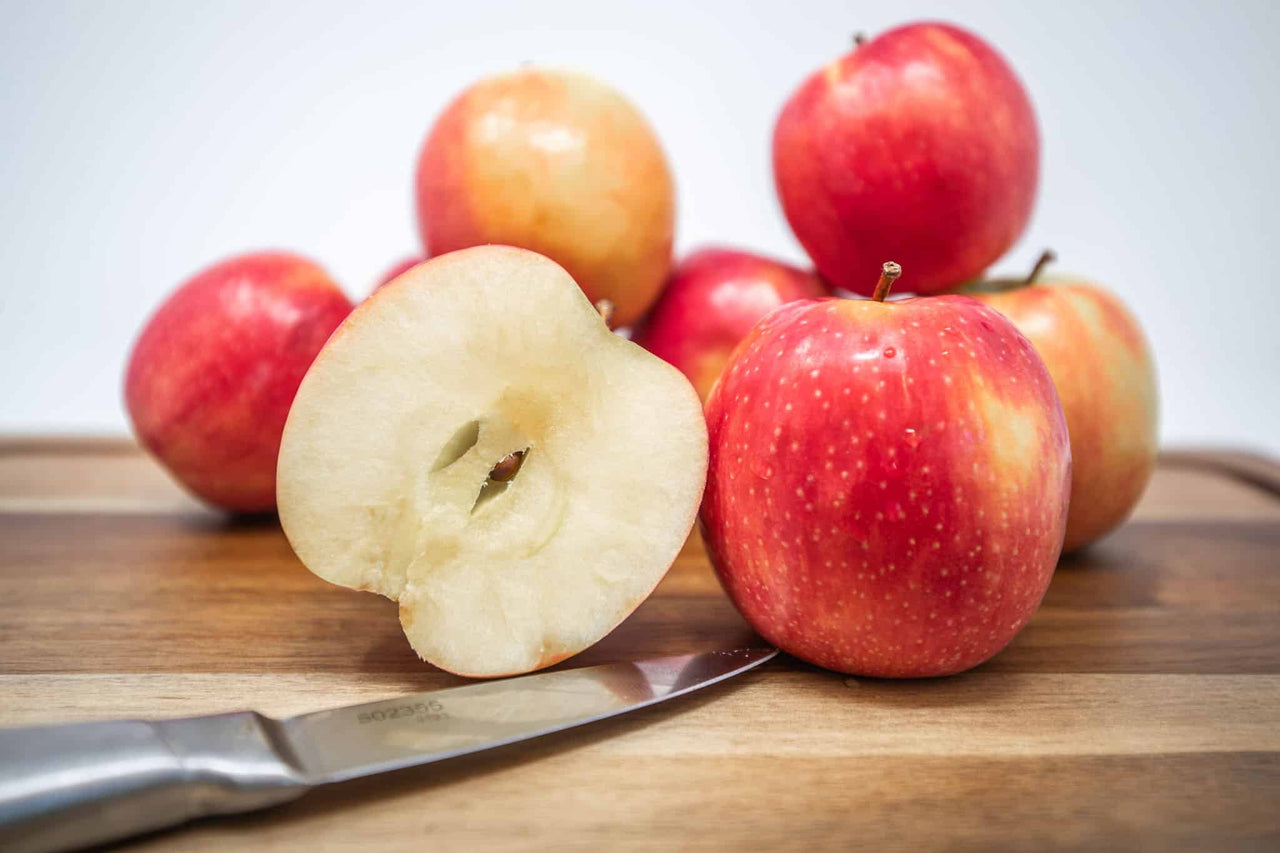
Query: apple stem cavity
{"points": [[605, 307], [888, 275], [1047, 257], [859, 39]]}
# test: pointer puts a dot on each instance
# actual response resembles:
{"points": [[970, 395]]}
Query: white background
{"points": [[141, 141]]}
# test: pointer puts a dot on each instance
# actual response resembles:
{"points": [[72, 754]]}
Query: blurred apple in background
{"points": [[401, 266], [558, 163], [712, 300], [1105, 376], [888, 482], [213, 373], [919, 145]]}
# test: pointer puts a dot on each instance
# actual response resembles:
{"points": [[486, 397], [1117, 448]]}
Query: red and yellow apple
{"points": [[712, 300], [558, 163], [921, 145], [888, 482], [532, 475], [1106, 380], [213, 373], [395, 270]]}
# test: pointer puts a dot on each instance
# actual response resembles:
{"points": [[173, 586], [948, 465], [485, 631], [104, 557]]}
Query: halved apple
{"points": [[475, 443]]}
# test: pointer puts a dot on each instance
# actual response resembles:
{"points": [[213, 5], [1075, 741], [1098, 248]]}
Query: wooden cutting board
{"points": [[1139, 709]]}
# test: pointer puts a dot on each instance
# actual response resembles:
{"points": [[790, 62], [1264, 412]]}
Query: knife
{"points": [[69, 786]]}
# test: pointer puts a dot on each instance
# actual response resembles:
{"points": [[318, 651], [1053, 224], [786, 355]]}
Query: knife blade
{"points": [[69, 786]]}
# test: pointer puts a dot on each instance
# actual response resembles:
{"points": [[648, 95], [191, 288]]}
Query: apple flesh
{"points": [[1106, 380], [920, 145], [560, 164], [532, 477], [212, 374], [888, 483], [712, 300]]}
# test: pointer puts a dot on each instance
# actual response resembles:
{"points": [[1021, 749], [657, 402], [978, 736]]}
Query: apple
{"points": [[921, 145], [211, 376], [558, 163], [1106, 380], [713, 298], [532, 475], [888, 483], [403, 265]]}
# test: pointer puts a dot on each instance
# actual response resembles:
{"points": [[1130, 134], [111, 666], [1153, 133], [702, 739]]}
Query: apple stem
{"points": [[859, 39], [1047, 257], [605, 307], [888, 275]]}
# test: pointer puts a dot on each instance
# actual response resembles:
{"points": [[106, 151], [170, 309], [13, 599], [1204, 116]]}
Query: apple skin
{"points": [[920, 145], [560, 164], [214, 371], [1106, 380], [712, 300], [888, 483], [397, 269]]}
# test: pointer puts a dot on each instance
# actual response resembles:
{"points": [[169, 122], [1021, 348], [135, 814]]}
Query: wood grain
{"points": [[1140, 709]]}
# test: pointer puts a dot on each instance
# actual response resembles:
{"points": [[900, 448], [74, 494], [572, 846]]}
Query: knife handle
{"points": [[71, 786]]}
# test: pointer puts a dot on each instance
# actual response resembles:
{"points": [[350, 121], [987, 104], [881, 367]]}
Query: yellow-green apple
{"points": [[921, 145], [403, 265], [1106, 379], [712, 300], [532, 475], [211, 377], [558, 163], [888, 482]]}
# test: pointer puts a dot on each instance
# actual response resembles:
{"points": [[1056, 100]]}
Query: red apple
{"points": [[399, 267], [212, 375], [560, 164], [888, 483], [921, 145], [1106, 379], [711, 301]]}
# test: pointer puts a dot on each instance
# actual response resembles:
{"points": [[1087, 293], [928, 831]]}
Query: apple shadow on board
{"points": [[244, 521]]}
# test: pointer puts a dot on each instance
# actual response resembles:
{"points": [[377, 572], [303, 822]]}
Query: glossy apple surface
{"points": [[211, 377], [888, 483], [1106, 379], [558, 163], [531, 476], [712, 300], [919, 145]]}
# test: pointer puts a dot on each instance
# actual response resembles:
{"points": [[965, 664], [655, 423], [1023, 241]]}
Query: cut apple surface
{"points": [[475, 443]]}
